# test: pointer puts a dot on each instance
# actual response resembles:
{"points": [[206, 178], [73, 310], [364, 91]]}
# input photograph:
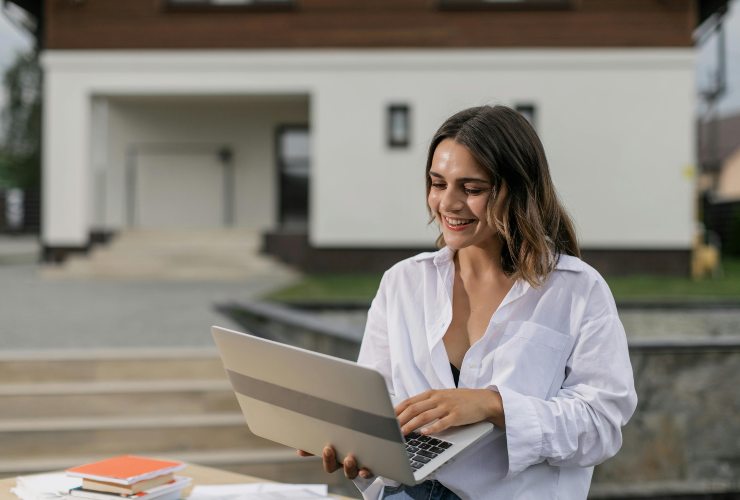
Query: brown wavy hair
{"points": [[534, 227]]}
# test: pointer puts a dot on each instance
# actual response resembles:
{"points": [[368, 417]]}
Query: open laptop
{"points": [[307, 400]]}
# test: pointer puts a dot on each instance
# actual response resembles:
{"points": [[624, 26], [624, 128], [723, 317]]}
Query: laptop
{"points": [[307, 400]]}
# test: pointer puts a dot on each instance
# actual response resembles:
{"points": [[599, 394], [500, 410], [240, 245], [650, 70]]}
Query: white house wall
{"points": [[65, 159], [616, 124]]}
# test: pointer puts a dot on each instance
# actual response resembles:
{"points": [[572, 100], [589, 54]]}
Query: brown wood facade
{"points": [[310, 24]]}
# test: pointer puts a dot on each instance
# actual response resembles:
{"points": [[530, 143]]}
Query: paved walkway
{"points": [[39, 313]]}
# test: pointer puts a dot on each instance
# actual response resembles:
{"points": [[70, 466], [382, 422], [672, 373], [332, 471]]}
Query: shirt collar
{"points": [[442, 256], [569, 263]]}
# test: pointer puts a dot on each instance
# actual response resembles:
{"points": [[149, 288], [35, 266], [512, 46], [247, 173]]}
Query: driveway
{"points": [[42, 313]]}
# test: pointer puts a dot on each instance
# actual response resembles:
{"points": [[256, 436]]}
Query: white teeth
{"points": [[458, 222]]}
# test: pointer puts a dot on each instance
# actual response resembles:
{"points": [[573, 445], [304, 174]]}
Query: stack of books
{"points": [[131, 477]]}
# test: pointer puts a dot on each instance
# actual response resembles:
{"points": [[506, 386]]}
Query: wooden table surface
{"points": [[199, 473]]}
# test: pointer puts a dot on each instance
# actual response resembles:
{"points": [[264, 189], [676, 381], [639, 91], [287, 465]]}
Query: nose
{"points": [[452, 200]]}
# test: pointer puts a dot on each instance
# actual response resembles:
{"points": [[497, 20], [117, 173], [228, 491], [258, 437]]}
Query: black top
{"points": [[455, 374]]}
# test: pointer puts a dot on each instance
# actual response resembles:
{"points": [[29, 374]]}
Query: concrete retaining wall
{"points": [[683, 441]]}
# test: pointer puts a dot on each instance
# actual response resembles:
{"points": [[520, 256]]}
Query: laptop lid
{"points": [[306, 400]]}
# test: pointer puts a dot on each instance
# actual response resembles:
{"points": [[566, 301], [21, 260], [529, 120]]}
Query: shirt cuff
{"points": [[371, 488], [523, 430]]}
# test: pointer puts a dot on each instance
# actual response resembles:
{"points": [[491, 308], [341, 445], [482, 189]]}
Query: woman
{"points": [[504, 323]]}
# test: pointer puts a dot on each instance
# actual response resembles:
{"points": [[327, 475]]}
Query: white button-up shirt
{"points": [[557, 354]]}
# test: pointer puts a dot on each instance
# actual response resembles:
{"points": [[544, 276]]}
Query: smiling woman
{"points": [[503, 324], [508, 181]]}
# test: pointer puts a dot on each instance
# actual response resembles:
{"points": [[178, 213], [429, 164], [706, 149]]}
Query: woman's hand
{"points": [[450, 408], [349, 464]]}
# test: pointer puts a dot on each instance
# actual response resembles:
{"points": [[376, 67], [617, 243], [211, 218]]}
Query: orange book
{"points": [[125, 469]]}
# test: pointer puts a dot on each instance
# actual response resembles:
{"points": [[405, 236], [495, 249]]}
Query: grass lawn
{"points": [[362, 287], [726, 287], [331, 288]]}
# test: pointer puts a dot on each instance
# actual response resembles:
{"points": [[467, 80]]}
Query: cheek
{"points": [[433, 202], [479, 207]]}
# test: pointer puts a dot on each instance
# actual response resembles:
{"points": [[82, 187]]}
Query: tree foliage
{"points": [[20, 150]]}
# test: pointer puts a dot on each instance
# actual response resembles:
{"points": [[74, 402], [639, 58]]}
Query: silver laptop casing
{"points": [[307, 400]]}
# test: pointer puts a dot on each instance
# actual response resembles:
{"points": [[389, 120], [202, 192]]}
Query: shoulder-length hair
{"points": [[534, 226]]}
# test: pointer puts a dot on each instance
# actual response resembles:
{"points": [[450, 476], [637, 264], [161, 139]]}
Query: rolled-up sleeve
{"points": [[374, 351], [581, 424]]}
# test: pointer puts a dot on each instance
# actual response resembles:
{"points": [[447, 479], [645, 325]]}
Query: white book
{"points": [[53, 485], [158, 492]]}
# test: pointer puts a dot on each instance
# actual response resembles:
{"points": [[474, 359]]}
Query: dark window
{"points": [[294, 162], [399, 126]]}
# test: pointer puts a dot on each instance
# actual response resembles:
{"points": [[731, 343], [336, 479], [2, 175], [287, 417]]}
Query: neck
{"points": [[480, 261]]}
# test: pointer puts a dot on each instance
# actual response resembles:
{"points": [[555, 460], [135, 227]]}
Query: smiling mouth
{"points": [[457, 224]]}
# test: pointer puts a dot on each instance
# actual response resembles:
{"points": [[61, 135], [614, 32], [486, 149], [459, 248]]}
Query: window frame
{"points": [[214, 6], [511, 5]]}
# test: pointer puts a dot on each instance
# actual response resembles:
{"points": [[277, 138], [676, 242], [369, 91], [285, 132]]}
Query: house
{"points": [[719, 180], [308, 120], [719, 157]]}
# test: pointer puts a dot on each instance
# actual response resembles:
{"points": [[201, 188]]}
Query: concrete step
{"points": [[61, 408], [166, 271], [166, 237], [216, 260], [206, 249], [61, 366], [171, 267], [135, 398], [221, 255], [31, 438]]}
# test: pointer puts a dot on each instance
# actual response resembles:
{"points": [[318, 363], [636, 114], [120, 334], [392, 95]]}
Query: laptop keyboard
{"points": [[422, 449]]}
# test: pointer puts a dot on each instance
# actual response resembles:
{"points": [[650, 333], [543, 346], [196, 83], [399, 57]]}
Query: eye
{"points": [[473, 191], [438, 185]]}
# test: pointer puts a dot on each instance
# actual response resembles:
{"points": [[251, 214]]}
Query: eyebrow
{"points": [[462, 179]]}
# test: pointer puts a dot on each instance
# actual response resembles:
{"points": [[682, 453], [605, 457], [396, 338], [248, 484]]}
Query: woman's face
{"points": [[459, 196]]}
